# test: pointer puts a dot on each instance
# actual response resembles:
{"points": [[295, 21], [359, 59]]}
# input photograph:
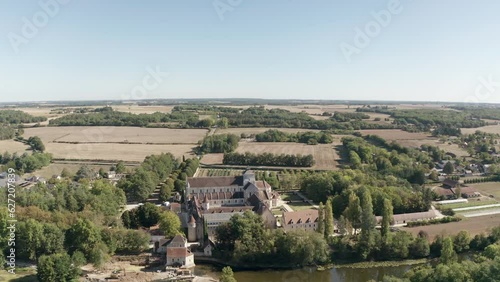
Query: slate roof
{"points": [[220, 181]]}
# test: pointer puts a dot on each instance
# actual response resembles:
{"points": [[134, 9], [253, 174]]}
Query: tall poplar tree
{"points": [[329, 225], [321, 219], [387, 213]]}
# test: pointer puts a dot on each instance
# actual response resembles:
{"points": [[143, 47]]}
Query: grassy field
{"points": [[474, 226], [471, 203], [325, 156], [115, 152], [12, 146], [116, 134], [290, 197], [488, 188], [299, 206], [22, 275]]}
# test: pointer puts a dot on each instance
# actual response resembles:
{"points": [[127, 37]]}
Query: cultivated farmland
{"points": [[115, 152], [473, 225], [116, 134], [12, 146]]}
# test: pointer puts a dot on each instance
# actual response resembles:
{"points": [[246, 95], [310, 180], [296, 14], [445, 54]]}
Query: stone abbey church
{"points": [[212, 201]]}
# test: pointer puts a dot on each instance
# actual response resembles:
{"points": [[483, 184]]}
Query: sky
{"points": [[425, 50]]}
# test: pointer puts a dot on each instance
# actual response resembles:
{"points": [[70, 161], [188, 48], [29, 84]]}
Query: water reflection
{"points": [[311, 274]]}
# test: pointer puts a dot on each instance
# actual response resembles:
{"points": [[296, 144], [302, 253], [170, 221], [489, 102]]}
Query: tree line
{"points": [[26, 162], [312, 138], [268, 159], [280, 118], [18, 117], [109, 117]]}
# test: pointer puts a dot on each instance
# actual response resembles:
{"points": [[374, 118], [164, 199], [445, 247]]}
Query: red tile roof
{"points": [[304, 216]]}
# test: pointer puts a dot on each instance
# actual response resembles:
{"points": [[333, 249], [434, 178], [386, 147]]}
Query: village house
{"points": [[467, 192], [178, 253], [444, 193], [305, 219], [448, 183]]}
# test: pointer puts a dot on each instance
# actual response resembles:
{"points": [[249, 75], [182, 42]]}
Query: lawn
{"points": [[22, 275], [290, 197], [298, 206]]}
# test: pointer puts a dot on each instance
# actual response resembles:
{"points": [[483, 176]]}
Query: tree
{"points": [[65, 173], [120, 167], [419, 248], [329, 223], [458, 192], [148, 215], [321, 219], [448, 255], [354, 159], [461, 241], [227, 275], [85, 172], [56, 267], [83, 236], [170, 223], [36, 143], [448, 168], [353, 212], [366, 241], [387, 213]]}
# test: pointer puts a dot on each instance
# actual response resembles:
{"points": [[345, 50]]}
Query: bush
{"points": [[446, 219]]}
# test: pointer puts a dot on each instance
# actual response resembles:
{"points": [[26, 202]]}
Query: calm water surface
{"points": [[311, 275]]}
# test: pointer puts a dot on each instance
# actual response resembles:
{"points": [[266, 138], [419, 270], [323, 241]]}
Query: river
{"points": [[342, 274]]}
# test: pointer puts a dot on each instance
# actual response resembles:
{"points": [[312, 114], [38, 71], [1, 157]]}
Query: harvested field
{"points": [[447, 147], [395, 134], [115, 152], [488, 129], [256, 130], [116, 134], [474, 226], [212, 159], [488, 188], [325, 156], [12, 146]]}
